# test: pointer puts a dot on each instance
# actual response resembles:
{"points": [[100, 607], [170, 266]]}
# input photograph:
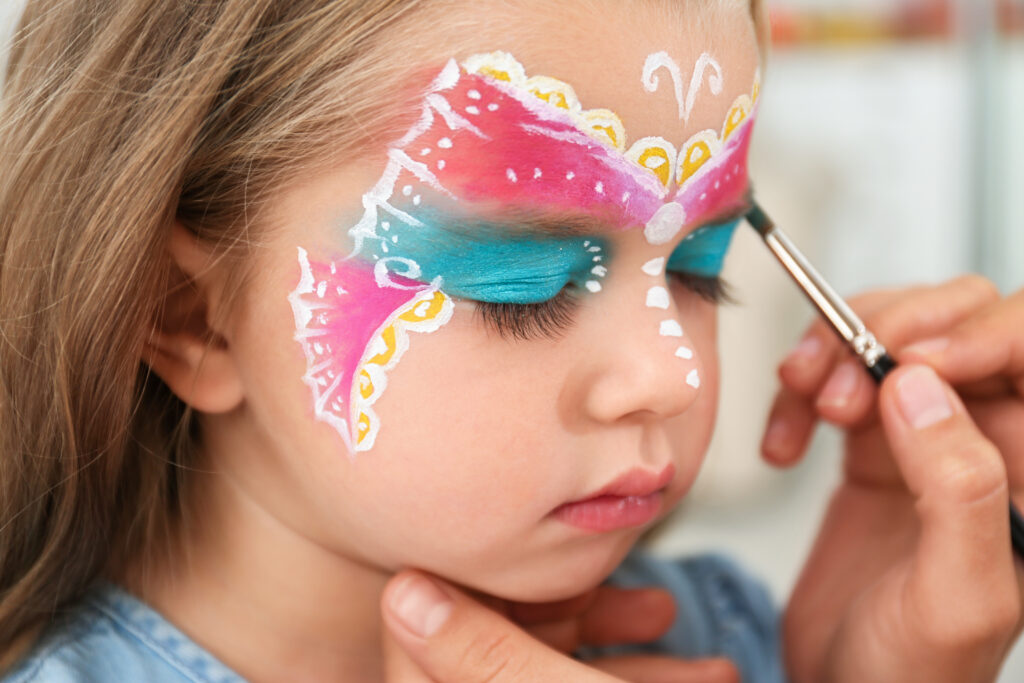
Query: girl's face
{"points": [[505, 312]]}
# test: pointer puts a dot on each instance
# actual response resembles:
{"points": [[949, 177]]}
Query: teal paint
{"points": [[703, 251]]}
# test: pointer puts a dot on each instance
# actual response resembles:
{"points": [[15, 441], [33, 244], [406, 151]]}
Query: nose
{"points": [[645, 364]]}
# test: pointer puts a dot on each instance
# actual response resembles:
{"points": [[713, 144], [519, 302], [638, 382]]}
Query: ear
{"points": [[185, 350]]}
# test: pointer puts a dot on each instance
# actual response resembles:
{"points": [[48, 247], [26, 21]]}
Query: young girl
{"points": [[298, 294]]}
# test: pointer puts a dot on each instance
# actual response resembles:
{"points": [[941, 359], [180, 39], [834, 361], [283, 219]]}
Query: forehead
{"points": [[606, 127]]}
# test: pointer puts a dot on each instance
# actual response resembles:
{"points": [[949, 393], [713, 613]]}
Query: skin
{"points": [[282, 576], [915, 563]]}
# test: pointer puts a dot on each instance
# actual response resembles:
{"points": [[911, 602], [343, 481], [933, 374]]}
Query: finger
{"points": [[806, 368], [1000, 421], [653, 669], [527, 613], [627, 616], [847, 398], [988, 344], [791, 423], [614, 616], [454, 639], [962, 587]]}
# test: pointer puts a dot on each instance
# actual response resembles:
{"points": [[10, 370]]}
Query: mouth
{"points": [[630, 500]]}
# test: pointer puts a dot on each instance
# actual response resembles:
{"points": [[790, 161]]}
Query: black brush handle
{"points": [[879, 371]]}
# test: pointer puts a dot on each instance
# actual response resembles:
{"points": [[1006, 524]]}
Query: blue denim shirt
{"points": [[112, 637]]}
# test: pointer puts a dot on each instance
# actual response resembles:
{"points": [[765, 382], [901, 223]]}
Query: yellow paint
{"points": [[496, 74], [431, 311], [606, 126], [362, 428], [658, 161], [696, 156], [390, 346], [737, 115], [366, 387]]}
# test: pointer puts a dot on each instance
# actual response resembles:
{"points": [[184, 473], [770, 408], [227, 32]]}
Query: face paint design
{"points": [[487, 133]]}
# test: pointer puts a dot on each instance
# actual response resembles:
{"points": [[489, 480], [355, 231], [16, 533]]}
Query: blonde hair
{"points": [[118, 118]]}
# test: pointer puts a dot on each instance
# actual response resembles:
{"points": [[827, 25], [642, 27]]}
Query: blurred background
{"points": [[891, 148]]}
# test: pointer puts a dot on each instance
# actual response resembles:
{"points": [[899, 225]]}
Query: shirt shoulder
{"points": [[112, 636], [721, 611]]}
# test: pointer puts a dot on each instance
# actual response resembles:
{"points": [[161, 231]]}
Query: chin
{"points": [[557, 575]]}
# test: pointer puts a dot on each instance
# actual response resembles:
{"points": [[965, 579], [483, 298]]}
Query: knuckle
{"points": [[988, 624], [494, 658], [972, 471], [981, 286]]}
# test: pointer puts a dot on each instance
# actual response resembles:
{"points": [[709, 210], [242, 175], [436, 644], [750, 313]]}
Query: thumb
{"points": [[454, 639], [962, 586]]}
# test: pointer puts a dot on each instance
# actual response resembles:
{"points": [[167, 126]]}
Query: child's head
{"points": [[319, 225]]}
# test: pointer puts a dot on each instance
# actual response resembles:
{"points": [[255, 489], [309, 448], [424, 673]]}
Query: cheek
{"points": [[463, 427]]}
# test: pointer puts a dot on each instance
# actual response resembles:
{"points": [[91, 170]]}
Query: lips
{"points": [[632, 499]]}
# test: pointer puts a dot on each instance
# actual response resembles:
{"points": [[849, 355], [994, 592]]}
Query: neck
{"points": [[266, 600]]}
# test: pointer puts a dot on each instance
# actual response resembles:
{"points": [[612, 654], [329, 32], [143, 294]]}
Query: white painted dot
{"points": [[321, 289], [473, 110], [445, 143], [655, 267], [511, 175], [425, 151], [570, 175], [657, 297], [599, 271], [586, 243], [394, 239], [597, 259], [599, 188], [703, 196], [693, 379], [340, 291], [417, 199], [665, 224], [685, 353], [625, 197], [594, 250], [334, 268], [473, 94], [718, 184], [594, 286], [492, 107], [386, 225], [407, 190], [537, 173], [670, 328], [440, 165], [384, 248]]}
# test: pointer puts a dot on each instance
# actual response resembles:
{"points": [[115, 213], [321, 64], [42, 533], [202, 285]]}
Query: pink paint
{"points": [[721, 184], [338, 308]]}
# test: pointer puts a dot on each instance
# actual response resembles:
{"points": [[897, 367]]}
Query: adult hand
{"points": [[438, 633], [912, 576]]}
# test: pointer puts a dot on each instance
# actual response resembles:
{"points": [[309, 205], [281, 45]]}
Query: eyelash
{"points": [[552, 318]]}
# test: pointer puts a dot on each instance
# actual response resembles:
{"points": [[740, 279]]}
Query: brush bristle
{"points": [[758, 219]]}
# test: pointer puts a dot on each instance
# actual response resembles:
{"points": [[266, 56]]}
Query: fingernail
{"points": [[776, 437], [928, 347], [922, 398], [420, 605], [839, 389], [804, 352]]}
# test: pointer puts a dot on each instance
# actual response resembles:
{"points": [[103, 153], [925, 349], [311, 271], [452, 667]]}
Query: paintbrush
{"points": [[841, 318]]}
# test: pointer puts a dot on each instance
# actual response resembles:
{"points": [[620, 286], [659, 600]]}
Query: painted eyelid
{"points": [[702, 252], [500, 270]]}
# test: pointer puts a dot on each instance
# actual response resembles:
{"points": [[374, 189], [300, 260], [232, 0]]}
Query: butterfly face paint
{"points": [[489, 135]]}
